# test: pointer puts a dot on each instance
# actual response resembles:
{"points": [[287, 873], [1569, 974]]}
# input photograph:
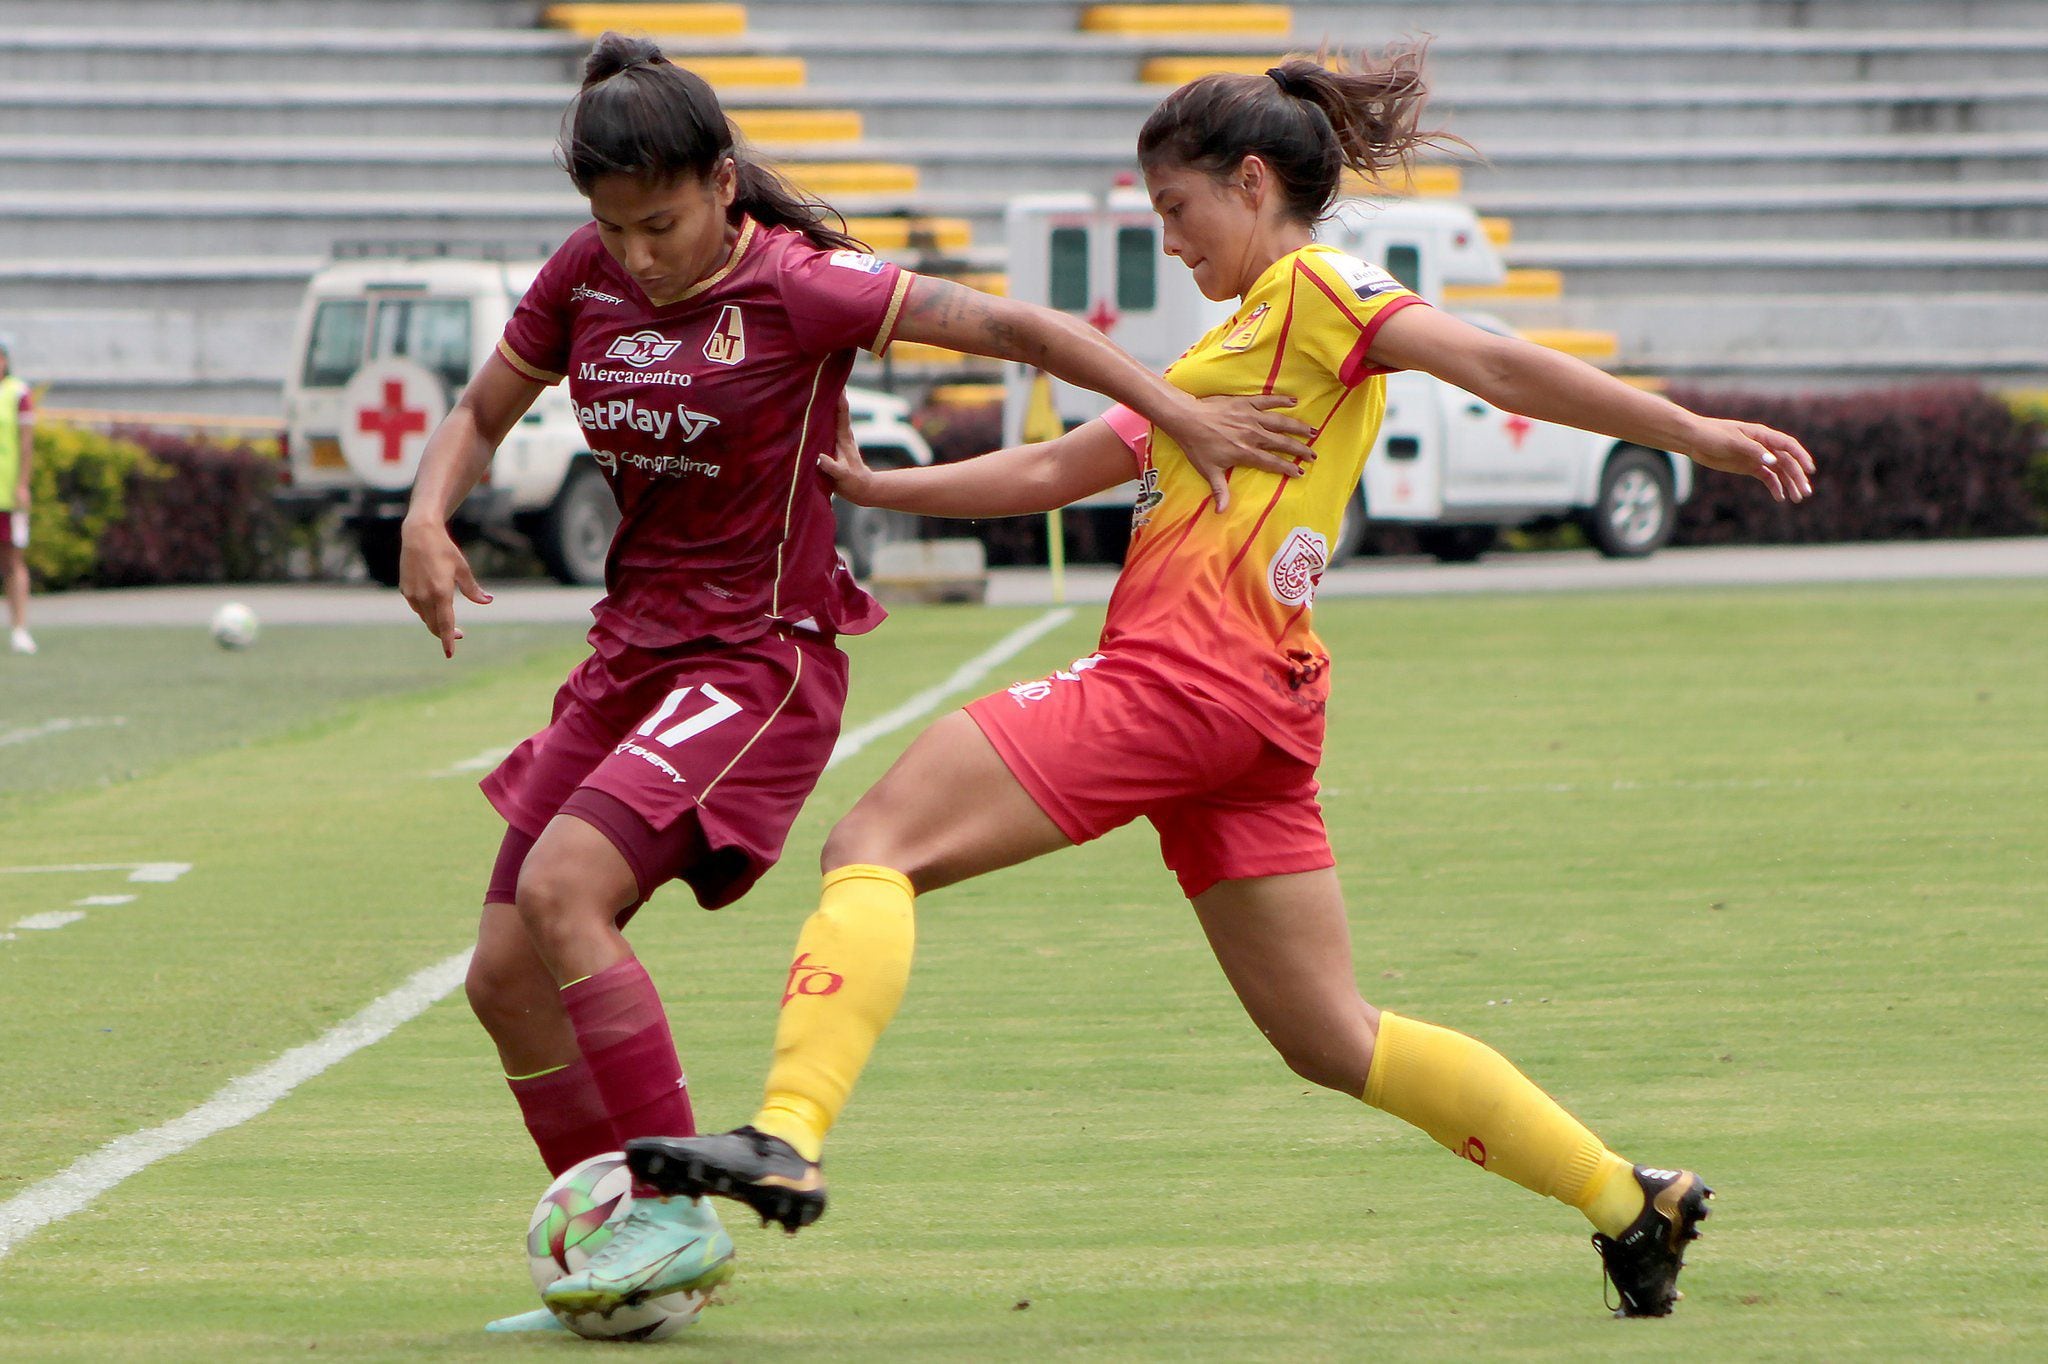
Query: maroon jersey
{"points": [[707, 414]]}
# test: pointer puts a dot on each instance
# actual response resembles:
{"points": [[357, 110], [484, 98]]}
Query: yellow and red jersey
{"points": [[1223, 601]]}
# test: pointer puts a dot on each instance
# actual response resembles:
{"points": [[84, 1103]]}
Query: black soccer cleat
{"points": [[1643, 1262], [745, 1164]]}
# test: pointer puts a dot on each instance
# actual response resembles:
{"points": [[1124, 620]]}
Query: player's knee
{"points": [[864, 836], [502, 998], [556, 903]]}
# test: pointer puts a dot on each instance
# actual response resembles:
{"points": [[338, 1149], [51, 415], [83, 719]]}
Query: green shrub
{"points": [[79, 487]]}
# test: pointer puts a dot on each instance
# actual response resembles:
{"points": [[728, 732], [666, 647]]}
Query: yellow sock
{"points": [[852, 962], [1470, 1099]]}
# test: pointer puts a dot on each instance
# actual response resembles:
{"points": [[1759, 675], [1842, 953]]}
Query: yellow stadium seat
{"points": [[1423, 182], [1184, 19], [1499, 231], [1518, 284], [852, 177], [988, 281], [902, 234], [783, 126], [1586, 345], [965, 394], [724, 71], [703, 21], [1181, 70]]}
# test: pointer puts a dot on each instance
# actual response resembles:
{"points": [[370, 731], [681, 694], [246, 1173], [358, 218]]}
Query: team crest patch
{"points": [[642, 349], [857, 260], [1148, 499], [1246, 332], [728, 341], [1367, 281], [1297, 567]]}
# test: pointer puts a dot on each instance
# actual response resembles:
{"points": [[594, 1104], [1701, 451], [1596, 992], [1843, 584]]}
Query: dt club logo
{"points": [[642, 348]]}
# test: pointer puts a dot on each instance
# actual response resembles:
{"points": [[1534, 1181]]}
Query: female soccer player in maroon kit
{"points": [[706, 322]]}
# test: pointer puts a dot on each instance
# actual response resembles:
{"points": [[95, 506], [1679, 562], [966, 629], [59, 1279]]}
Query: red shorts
{"points": [[693, 762], [1109, 739]]}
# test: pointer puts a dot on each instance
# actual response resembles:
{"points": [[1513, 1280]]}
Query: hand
{"points": [[1245, 432], [1770, 457], [850, 475], [430, 569]]}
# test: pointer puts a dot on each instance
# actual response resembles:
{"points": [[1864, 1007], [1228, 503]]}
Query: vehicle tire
{"points": [[1457, 544], [1351, 532], [1636, 511], [380, 542], [575, 533], [863, 530]]}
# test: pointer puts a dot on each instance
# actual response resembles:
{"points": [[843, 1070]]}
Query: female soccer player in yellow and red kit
{"points": [[1202, 709], [706, 322]]}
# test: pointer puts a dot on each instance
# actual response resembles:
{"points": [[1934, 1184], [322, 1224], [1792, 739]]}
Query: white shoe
{"points": [[21, 641]]}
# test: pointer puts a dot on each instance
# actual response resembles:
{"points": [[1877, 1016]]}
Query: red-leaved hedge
{"points": [[208, 515], [1925, 462]]}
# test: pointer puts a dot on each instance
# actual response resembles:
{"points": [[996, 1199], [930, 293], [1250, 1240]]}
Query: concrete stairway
{"points": [[1762, 191]]}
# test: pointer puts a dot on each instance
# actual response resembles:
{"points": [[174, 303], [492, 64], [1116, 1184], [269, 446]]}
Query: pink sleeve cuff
{"points": [[1133, 429]]}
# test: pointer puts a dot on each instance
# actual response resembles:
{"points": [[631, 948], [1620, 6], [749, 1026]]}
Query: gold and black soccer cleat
{"points": [[745, 1164], [1643, 1262]]}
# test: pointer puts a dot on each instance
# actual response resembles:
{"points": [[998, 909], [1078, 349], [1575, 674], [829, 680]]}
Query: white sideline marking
{"points": [[965, 676], [482, 762], [137, 871], [50, 1200], [238, 1101], [106, 900], [60, 726], [56, 918]]}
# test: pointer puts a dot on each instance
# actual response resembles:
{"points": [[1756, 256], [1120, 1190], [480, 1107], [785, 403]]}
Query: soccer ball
{"points": [[572, 1222], [234, 626]]}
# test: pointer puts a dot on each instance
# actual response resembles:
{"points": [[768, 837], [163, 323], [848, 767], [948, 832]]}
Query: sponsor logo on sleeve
{"points": [[642, 348], [1367, 281], [583, 291], [1148, 499], [858, 260], [728, 341], [1297, 567]]}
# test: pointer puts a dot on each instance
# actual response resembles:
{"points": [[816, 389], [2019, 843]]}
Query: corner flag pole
{"points": [[1042, 423]]}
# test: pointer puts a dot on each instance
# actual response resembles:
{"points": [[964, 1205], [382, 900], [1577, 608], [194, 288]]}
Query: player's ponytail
{"points": [[1309, 119], [639, 114]]}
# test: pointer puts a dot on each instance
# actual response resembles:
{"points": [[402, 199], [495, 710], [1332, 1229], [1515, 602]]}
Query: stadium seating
{"points": [[1750, 190]]}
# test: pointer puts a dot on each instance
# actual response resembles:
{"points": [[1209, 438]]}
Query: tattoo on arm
{"points": [[941, 312]]}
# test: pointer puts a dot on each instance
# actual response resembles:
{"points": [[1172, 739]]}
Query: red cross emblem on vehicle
{"points": [[1518, 427], [1102, 317], [393, 421]]}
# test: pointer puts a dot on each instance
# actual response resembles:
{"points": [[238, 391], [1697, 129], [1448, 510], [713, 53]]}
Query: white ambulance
{"points": [[1452, 466], [384, 343]]}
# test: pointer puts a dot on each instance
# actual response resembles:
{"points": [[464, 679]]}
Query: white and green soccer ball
{"points": [[572, 1222], [234, 626]]}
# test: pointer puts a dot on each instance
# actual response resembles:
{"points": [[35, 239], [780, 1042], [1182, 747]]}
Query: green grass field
{"points": [[1755, 882]]}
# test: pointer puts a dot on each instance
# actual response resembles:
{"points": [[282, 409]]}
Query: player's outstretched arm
{"points": [[1009, 482], [939, 312], [431, 566], [1553, 387]]}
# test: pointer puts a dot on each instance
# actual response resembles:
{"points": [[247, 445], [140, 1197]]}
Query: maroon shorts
{"points": [[1109, 739], [693, 762]]}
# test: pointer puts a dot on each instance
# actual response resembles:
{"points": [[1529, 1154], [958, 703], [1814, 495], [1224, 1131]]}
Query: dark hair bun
{"points": [[616, 52]]}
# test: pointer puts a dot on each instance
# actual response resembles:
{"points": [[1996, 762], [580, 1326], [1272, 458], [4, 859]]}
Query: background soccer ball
{"points": [[572, 1222], [234, 626]]}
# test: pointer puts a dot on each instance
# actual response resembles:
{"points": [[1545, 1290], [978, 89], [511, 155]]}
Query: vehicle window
{"points": [[1405, 264], [434, 332], [1069, 291], [1137, 269], [337, 346]]}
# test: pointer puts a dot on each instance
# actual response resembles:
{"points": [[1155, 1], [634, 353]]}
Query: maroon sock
{"points": [[565, 1115], [623, 1034]]}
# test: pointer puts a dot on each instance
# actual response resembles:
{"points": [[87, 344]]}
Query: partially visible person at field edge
{"points": [[17, 457], [706, 321], [1203, 707]]}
